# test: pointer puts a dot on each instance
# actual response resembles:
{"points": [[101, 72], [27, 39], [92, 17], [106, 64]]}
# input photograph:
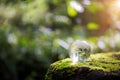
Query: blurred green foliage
{"points": [[31, 32]]}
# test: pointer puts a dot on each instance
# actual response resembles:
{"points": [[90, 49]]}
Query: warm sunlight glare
{"points": [[114, 10]]}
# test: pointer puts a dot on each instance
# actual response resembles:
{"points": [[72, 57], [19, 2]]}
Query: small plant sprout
{"points": [[79, 51]]}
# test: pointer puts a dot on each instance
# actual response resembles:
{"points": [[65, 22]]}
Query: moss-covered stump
{"points": [[102, 66]]}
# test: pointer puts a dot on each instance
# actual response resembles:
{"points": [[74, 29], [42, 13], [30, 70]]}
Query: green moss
{"points": [[107, 62], [102, 61]]}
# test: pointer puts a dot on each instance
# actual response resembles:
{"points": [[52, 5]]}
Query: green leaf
{"points": [[24, 42], [93, 8], [71, 11], [92, 26]]}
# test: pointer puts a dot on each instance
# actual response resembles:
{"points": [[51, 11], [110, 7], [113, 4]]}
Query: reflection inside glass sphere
{"points": [[79, 51]]}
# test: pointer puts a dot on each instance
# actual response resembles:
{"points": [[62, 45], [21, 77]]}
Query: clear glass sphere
{"points": [[79, 51]]}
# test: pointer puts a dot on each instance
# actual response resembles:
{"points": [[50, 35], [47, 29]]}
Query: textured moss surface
{"points": [[101, 63]]}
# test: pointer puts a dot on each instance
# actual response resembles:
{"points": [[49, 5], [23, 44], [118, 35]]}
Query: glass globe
{"points": [[79, 51]]}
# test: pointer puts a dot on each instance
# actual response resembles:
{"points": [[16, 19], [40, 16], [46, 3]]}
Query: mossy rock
{"points": [[101, 66]]}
